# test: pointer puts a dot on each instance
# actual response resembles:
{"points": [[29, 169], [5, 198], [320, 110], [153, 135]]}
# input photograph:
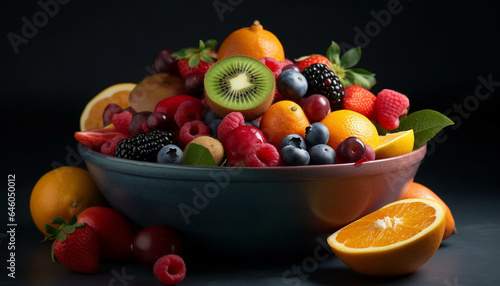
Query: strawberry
{"points": [[305, 61], [390, 106], [75, 245], [95, 138], [360, 100], [196, 60]]}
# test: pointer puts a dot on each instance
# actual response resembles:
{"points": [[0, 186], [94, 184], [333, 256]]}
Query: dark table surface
{"points": [[441, 55]]}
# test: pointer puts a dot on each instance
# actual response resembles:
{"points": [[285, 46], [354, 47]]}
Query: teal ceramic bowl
{"points": [[250, 211]]}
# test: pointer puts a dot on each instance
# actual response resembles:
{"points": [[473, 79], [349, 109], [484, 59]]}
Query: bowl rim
{"points": [[294, 173]]}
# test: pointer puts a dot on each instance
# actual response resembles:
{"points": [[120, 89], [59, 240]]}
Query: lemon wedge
{"points": [[395, 144]]}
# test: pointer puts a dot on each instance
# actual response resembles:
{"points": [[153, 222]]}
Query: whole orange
{"points": [[252, 41], [283, 118], [346, 123], [63, 192]]}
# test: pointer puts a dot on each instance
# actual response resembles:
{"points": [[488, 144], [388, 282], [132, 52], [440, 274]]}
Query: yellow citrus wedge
{"points": [[395, 144], [394, 240], [92, 113]]}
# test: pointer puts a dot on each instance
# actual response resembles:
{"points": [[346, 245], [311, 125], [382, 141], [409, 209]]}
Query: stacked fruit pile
{"points": [[311, 111], [245, 105]]}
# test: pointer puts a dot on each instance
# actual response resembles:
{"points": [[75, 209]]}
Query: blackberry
{"points": [[322, 80], [143, 147]]}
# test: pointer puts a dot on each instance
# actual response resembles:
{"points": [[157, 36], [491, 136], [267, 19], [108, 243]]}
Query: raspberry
{"points": [[360, 100], [170, 269], [262, 155], [285, 62], [390, 106], [192, 130], [122, 120], [188, 111], [273, 65], [108, 148], [228, 123]]}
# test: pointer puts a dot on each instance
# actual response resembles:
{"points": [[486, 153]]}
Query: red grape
{"points": [[110, 110], [195, 85], [136, 126], [316, 107], [155, 241], [157, 121], [351, 150], [163, 62]]}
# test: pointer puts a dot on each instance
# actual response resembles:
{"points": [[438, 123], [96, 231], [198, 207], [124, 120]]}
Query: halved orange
{"points": [[91, 117], [394, 240]]}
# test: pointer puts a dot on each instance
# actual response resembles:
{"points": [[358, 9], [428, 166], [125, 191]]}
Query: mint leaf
{"points": [[198, 155], [425, 124], [350, 58]]}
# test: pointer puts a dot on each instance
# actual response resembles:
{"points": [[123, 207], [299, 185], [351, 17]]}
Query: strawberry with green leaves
{"points": [[196, 60], [75, 245], [305, 61], [341, 65]]}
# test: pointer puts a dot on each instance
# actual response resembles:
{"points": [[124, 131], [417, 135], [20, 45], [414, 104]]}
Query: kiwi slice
{"points": [[239, 83]]}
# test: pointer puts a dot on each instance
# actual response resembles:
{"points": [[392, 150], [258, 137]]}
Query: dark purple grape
{"points": [[157, 121], [290, 67], [165, 63], [194, 84], [131, 110], [155, 241], [138, 123], [351, 150], [110, 110]]}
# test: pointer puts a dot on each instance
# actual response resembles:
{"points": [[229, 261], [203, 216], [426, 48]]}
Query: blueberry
{"points": [[293, 156], [295, 140], [322, 154], [209, 117], [317, 133], [213, 126], [170, 154], [291, 84]]}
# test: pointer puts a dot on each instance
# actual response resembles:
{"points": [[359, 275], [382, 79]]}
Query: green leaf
{"points": [[69, 228], [61, 236], [211, 44], [206, 58], [52, 254], [333, 53], [73, 219], [180, 53], [201, 45], [50, 229], [362, 71], [351, 57], [198, 155], [357, 79], [194, 61], [57, 220], [425, 124]]}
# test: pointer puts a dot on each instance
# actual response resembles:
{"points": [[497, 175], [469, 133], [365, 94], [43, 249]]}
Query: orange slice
{"points": [[394, 240], [92, 113]]}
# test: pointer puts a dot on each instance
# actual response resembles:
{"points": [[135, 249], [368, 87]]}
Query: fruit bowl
{"points": [[250, 211]]}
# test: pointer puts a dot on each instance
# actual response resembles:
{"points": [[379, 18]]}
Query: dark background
{"points": [[435, 53]]}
